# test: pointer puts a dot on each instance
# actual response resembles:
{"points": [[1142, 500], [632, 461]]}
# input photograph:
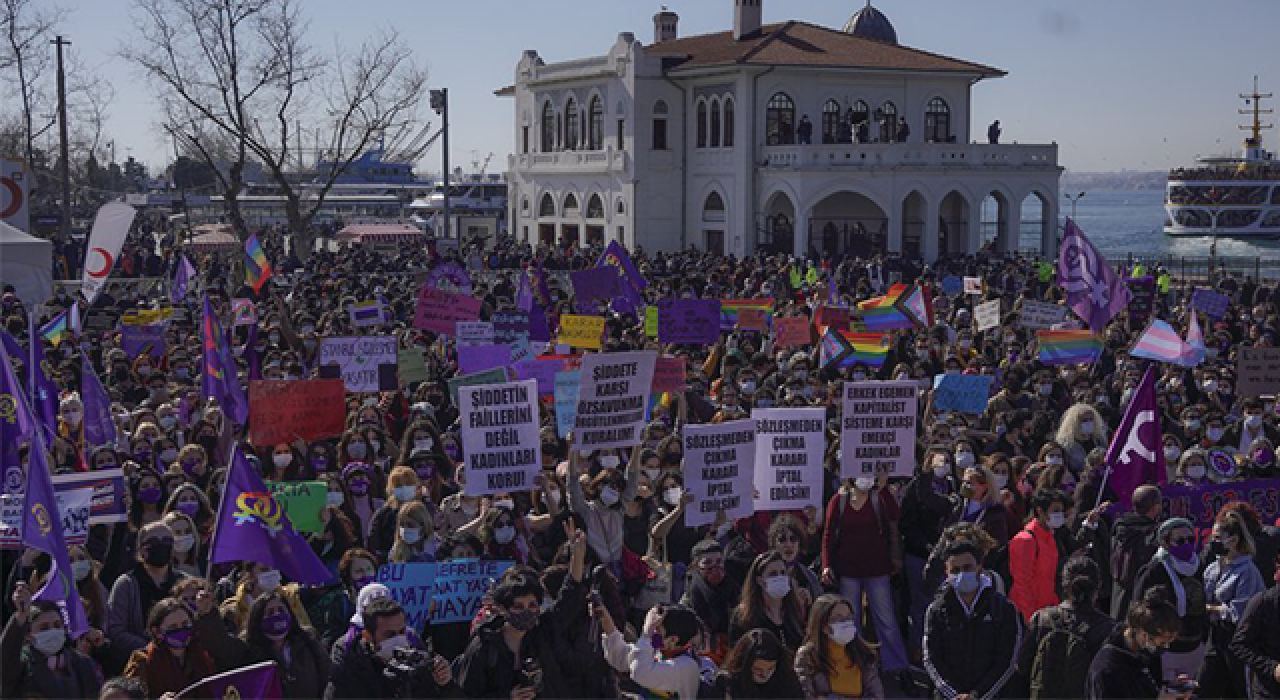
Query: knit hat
{"points": [[368, 594], [1172, 524]]}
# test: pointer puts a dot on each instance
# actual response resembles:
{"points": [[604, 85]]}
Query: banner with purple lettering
{"points": [[1200, 503]]}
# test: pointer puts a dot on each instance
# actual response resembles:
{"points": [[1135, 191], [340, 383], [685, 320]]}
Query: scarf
{"points": [[1176, 570]]}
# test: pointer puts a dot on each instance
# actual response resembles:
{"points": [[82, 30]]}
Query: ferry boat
{"points": [[1232, 196], [476, 195]]}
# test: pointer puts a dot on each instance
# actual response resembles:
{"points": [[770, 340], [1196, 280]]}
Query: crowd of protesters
{"points": [[1006, 567]]}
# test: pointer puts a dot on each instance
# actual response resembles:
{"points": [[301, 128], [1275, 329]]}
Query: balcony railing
{"points": [[931, 155], [607, 160]]}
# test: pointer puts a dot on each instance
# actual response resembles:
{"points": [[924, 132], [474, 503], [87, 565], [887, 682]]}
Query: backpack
{"points": [[1062, 659]]}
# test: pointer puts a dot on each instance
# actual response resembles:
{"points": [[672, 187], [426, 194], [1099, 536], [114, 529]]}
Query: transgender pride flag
{"points": [[1161, 343]]}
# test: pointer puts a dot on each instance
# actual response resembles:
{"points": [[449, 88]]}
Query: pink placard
{"points": [[439, 311]]}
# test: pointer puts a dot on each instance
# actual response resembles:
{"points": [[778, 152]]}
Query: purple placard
{"points": [[1142, 297], [508, 326], [1200, 503], [595, 284], [1212, 303], [689, 321], [137, 339], [544, 371], [478, 358]]}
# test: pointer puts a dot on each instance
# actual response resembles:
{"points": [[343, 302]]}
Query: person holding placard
{"points": [[600, 504]]}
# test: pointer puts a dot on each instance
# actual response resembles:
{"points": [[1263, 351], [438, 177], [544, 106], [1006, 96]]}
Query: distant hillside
{"points": [[1126, 180]]}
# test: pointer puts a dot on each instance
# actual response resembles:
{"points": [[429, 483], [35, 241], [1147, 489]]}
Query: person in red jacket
{"points": [[1033, 554]]}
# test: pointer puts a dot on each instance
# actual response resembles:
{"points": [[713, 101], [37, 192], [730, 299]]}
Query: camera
{"points": [[407, 663], [532, 672]]}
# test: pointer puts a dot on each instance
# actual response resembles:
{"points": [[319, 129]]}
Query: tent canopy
{"points": [[214, 241], [379, 233], [26, 262]]}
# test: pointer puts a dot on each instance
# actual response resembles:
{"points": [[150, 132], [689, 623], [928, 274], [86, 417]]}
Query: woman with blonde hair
{"points": [[980, 504], [1081, 429], [186, 543], [403, 486], [1230, 582], [834, 661], [414, 541]]}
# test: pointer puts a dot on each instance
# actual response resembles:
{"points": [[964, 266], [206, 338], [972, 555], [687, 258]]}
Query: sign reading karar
{"points": [[500, 436], [878, 432], [716, 457], [613, 394], [790, 444], [366, 363]]}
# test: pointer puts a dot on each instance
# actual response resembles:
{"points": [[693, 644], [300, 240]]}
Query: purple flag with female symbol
{"points": [[1136, 455], [1094, 290], [99, 426], [181, 280]]}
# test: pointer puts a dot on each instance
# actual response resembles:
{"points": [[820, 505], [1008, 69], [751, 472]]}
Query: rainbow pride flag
{"points": [[729, 309], [1068, 347], [870, 349], [54, 331], [834, 349], [257, 268], [884, 313]]}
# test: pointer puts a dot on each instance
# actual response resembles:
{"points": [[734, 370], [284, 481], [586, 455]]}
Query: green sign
{"points": [[651, 321], [302, 502], [412, 366], [489, 376]]}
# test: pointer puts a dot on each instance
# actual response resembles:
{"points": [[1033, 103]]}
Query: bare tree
{"points": [[28, 26], [244, 70]]}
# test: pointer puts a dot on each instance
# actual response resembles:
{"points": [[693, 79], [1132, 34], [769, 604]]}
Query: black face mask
{"points": [[159, 554]]}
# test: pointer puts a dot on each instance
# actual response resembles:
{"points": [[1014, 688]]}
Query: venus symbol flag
{"points": [[1094, 290], [1136, 455]]}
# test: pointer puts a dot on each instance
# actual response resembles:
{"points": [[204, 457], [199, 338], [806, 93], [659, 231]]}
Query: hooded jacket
{"points": [[1132, 546], [1117, 672]]}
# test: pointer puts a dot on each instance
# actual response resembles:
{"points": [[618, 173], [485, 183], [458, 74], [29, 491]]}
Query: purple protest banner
{"points": [[1200, 503], [689, 321], [595, 284], [1212, 303], [136, 340], [509, 326], [1142, 297], [543, 370], [478, 358]]}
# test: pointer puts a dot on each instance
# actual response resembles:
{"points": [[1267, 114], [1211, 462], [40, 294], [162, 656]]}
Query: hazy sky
{"points": [[1119, 84]]}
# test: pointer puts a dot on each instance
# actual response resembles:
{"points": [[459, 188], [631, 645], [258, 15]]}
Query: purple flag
{"points": [[99, 427], [1094, 291], [524, 295], [218, 377], [832, 294], [16, 423], [42, 391], [181, 279], [42, 526], [1136, 456], [632, 281], [538, 328], [253, 526], [260, 680], [595, 284], [541, 292]]}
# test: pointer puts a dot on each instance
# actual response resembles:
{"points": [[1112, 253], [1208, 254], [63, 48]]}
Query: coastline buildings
{"points": [[789, 137]]}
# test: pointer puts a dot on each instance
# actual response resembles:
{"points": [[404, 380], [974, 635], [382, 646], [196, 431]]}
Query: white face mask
{"points": [[505, 504], [777, 586], [406, 493], [73, 417], [283, 459], [1053, 459], [49, 642], [168, 456], [1195, 472], [1086, 428], [183, 543], [424, 444], [843, 632], [941, 470], [672, 495], [902, 376], [609, 461], [999, 481], [964, 459], [268, 581], [336, 498], [1214, 434], [864, 483], [410, 535], [608, 495], [1171, 452], [387, 648], [504, 535], [81, 569], [1057, 520]]}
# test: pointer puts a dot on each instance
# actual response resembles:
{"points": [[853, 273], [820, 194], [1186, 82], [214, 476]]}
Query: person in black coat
{"points": [[1128, 666], [1257, 643], [37, 658], [361, 670]]}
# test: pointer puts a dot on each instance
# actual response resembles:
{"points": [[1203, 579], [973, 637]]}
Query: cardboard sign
{"points": [[364, 364], [366, 313], [460, 587], [1257, 371], [668, 374], [716, 459], [831, 317], [1142, 297], [973, 285], [478, 358], [108, 489], [509, 327], [753, 320], [582, 331], [987, 315], [73, 506], [566, 398], [651, 322], [1212, 303], [1041, 315], [439, 311], [541, 370], [243, 312], [281, 411], [137, 340], [963, 393], [412, 366], [146, 317], [695, 321], [1200, 503], [412, 586], [472, 333], [489, 376], [302, 502], [791, 332], [878, 429], [790, 444], [612, 399], [500, 436]]}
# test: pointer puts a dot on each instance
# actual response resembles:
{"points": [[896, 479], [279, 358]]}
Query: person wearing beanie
{"points": [[1176, 567]]}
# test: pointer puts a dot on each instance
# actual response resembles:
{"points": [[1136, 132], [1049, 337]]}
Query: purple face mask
{"points": [[277, 625], [149, 495], [1263, 457], [190, 508], [320, 463], [1183, 552], [179, 638]]}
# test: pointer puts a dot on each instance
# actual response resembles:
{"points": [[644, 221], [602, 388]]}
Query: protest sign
{"points": [[460, 586], [412, 586], [137, 340], [964, 393], [439, 311], [695, 321], [987, 315], [489, 376], [651, 322], [1142, 297], [302, 502], [478, 358], [836, 317], [108, 488], [952, 285], [791, 332], [582, 331], [790, 444], [412, 366], [716, 459], [668, 374], [471, 333], [973, 285], [542, 370], [1041, 315], [500, 436], [878, 430], [146, 317], [73, 505], [509, 327], [449, 276], [1201, 503], [1257, 371], [752, 320], [283, 411], [612, 397], [594, 284], [1212, 303], [366, 313], [566, 398], [243, 312], [363, 363]]}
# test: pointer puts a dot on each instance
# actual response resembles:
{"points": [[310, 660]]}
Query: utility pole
{"points": [[62, 132], [440, 103]]}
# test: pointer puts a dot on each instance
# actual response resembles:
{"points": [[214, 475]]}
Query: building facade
{"points": [[789, 137]]}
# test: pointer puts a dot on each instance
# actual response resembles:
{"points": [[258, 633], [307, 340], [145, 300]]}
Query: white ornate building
{"points": [[702, 141]]}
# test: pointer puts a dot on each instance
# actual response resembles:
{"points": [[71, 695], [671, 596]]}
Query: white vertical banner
{"points": [[612, 399], [717, 459], [110, 227], [878, 429], [790, 445], [15, 187], [500, 436]]}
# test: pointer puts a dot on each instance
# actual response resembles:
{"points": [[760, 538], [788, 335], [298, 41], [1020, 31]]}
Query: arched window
{"points": [[780, 120], [660, 126], [524, 205], [570, 206], [595, 207], [571, 126], [548, 128], [595, 125], [622, 207], [887, 118], [715, 123], [860, 122], [728, 122], [937, 121], [702, 124], [548, 205], [713, 209], [831, 122]]}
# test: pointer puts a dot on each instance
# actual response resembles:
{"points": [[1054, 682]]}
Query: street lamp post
{"points": [[1074, 200], [440, 103]]}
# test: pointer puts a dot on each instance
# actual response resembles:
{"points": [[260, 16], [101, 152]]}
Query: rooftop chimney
{"points": [[747, 18], [664, 25]]}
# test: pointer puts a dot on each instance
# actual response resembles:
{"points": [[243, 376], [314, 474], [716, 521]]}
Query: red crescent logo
{"points": [[15, 197], [106, 264]]}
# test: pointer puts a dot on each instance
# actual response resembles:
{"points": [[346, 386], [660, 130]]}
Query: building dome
{"points": [[870, 23]]}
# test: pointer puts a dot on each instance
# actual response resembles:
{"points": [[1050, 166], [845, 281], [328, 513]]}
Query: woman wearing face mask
{"points": [[1261, 463], [273, 633], [402, 487], [929, 499], [500, 533], [1128, 665], [1080, 431], [1230, 582], [788, 537], [353, 447], [92, 593], [834, 661], [206, 434], [174, 658], [979, 503], [460, 509], [768, 601], [757, 667], [1034, 554], [36, 656], [166, 452], [285, 463], [255, 580], [71, 420], [420, 435], [194, 464], [1193, 468], [601, 503], [415, 538], [136, 590], [332, 611], [357, 477], [1176, 567], [187, 551], [191, 501], [323, 459], [148, 499]]}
